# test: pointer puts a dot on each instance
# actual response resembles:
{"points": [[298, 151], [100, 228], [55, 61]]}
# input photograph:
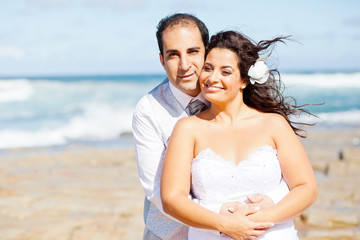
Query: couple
{"points": [[242, 148]]}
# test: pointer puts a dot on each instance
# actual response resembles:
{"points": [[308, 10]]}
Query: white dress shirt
{"points": [[150, 147]]}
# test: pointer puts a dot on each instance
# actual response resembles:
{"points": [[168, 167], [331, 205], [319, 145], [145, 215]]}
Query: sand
{"points": [[87, 193]]}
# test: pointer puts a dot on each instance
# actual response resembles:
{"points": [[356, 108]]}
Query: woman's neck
{"points": [[230, 113]]}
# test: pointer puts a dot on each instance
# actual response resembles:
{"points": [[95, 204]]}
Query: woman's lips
{"points": [[212, 88]]}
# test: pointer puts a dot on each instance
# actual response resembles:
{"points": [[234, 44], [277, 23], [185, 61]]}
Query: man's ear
{"points": [[161, 59]]}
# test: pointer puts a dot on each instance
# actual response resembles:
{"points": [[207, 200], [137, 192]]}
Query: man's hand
{"points": [[261, 201]]}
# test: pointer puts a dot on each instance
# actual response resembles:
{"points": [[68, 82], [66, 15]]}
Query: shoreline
{"points": [[90, 191]]}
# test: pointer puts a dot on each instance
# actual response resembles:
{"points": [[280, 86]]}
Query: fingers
{"points": [[255, 198], [234, 206], [262, 201], [256, 233], [260, 226], [248, 209], [255, 205]]}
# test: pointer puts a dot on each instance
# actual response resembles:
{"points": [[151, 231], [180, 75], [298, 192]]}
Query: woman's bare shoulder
{"points": [[188, 123], [275, 119]]}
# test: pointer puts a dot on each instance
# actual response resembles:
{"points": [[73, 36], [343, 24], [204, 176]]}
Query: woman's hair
{"points": [[267, 97]]}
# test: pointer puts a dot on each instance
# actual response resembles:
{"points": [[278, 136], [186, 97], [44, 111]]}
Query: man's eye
{"points": [[194, 51], [171, 55]]}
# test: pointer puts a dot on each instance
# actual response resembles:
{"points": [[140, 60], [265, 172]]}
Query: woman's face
{"points": [[220, 79]]}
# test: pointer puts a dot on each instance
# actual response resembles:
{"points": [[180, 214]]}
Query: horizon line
{"points": [[56, 75]]}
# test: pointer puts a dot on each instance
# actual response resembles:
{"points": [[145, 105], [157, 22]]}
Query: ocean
{"points": [[63, 110]]}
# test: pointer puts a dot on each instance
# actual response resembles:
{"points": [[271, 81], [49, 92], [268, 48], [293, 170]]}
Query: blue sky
{"points": [[66, 37]]}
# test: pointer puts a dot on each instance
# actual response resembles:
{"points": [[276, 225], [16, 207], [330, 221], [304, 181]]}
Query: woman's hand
{"points": [[239, 227], [229, 208], [261, 201]]}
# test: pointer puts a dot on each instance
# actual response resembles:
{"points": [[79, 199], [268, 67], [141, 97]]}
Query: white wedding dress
{"points": [[216, 181]]}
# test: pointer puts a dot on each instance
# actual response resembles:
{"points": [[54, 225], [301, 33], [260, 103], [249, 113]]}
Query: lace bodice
{"points": [[216, 181]]}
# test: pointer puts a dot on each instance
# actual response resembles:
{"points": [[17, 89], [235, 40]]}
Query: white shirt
{"points": [[150, 147]]}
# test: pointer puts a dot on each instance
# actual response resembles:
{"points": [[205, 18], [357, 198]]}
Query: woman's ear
{"points": [[243, 85]]}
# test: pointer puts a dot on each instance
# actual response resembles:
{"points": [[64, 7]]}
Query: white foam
{"points": [[342, 119], [48, 112], [15, 90], [99, 121], [334, 80]]}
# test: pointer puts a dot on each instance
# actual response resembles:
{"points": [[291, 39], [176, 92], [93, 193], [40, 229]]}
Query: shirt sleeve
{"points": [[149, 151]]}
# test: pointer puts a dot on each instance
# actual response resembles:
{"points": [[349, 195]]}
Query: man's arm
{"points": [[149, 150]]}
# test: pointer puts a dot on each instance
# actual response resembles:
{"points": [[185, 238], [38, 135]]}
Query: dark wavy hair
{"points": [[267, 97], [182, 19]]}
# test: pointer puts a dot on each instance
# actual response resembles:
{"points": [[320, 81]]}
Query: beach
{"points": [[84, 192], [77, 193], [68, 169]]}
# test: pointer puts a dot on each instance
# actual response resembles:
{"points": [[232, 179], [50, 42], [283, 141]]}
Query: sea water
{"points": [[57, 111]]}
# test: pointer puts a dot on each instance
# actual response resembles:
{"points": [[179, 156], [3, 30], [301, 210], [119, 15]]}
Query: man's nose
{"points": [[184, 63]]}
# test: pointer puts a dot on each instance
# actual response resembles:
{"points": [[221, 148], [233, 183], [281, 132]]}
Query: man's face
{"points": [[183, 58]]}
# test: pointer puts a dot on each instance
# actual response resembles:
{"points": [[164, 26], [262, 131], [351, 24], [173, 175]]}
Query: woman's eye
{"points": [[207, 68], [226, 72]]}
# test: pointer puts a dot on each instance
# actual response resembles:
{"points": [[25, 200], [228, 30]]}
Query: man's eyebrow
{"points": [[194, 48], [171, 51], [189, 49]]}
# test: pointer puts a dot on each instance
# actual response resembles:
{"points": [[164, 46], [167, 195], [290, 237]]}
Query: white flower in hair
{"points": [[259, 72]]}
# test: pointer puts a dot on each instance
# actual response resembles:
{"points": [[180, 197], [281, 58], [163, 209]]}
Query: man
{"points": [[182, 39]]}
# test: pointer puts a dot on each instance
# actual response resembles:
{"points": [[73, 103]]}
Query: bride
{"points": [[243, 144]]}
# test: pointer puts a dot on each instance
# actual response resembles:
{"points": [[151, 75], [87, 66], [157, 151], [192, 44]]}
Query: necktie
{"points": [[196, 106]]}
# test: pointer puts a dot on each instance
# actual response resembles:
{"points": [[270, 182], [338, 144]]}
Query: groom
{"points": [[182, 39]]}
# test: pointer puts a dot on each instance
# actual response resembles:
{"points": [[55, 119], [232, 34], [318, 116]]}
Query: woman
{"points": [[242, 145]]}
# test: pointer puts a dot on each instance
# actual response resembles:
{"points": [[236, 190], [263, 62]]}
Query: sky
{"points": [[91, 37]]}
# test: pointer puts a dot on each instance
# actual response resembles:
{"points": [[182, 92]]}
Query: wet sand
{"points": [[85, 193]]}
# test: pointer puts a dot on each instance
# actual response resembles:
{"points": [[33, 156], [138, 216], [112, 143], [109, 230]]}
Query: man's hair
{"points": [[181, 19]]}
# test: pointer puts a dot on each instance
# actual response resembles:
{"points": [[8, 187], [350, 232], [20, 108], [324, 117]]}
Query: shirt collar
{"points": [[183, 98]]}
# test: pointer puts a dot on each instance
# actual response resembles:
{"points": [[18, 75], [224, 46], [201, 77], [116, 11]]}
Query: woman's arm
{"points": [[297, 172], [175, 188]]}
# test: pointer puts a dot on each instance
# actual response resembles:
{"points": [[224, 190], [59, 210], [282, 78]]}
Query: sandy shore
{"points": [[90, 194], [75, 194]]}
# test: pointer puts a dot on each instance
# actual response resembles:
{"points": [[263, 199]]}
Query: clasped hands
{"points": [[243, 221]]}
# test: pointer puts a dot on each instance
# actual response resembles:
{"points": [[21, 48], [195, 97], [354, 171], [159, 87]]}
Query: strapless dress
{"points": [[216, 181]]}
